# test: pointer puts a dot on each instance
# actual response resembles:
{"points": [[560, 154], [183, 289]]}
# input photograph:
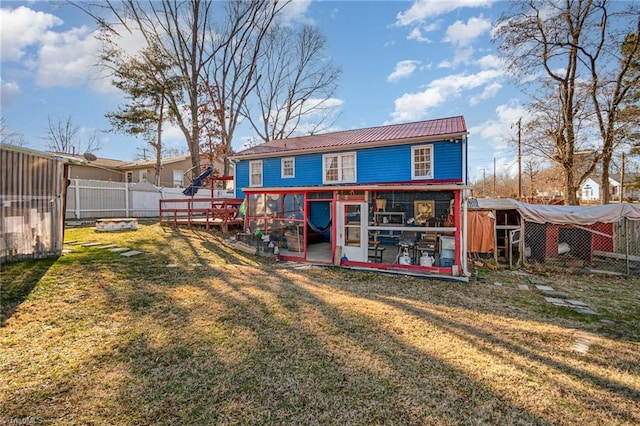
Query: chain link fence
{"points": [[612, 248]]}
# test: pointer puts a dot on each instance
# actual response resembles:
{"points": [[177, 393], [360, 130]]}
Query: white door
{"points": [[352, 231]]}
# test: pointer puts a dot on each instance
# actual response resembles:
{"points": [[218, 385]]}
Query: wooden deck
{"points": [[207, 212]]}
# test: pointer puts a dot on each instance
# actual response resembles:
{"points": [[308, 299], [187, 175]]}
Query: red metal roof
{"points": [[395, 132]]}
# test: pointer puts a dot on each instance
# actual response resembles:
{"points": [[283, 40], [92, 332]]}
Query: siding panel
{"points": [[374, 165]]}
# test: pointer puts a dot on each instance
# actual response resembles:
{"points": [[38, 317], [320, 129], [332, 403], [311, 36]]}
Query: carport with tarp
{"points": [[595, 238]]}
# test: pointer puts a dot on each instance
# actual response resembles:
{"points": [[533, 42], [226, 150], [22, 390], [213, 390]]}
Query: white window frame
{"points": [[143, 176], [252, 174], [413, 162], [283, 167], [176, 183], [340, 160], [129, 177]]}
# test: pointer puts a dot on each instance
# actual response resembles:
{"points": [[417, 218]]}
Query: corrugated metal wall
{"points": [[32, 195]]}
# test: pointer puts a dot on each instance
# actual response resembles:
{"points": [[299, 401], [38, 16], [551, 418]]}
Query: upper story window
{"points": [[422, 162], [339, 168], [288, 166], [255, 173]]}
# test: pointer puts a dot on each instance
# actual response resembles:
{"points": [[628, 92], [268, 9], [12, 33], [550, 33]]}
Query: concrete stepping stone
{"points": [[93, 244], [119, 249], [78, 243], [556, 301], [130, 253], [523, 287], [71, 242], [172, 265], [499, 284], [544, 287], [586, 311], [555, 293], [195, 265], [106, 246], [68, 250], [577, 303], [536, 281]]}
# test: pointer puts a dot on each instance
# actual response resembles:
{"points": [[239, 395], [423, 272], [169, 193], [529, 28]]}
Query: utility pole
{"points": [[519, 158], [622, 179], [494, 177], [484, 181]]}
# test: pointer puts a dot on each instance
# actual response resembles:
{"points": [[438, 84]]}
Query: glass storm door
{"points": [[352, 233]]}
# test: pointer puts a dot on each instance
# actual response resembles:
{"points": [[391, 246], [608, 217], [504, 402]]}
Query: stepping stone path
{"points": [[124, 251], [119, 249], [557, 299]]}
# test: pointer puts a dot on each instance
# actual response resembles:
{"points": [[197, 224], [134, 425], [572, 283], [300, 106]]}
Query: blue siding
{"points": [[374, 165]]}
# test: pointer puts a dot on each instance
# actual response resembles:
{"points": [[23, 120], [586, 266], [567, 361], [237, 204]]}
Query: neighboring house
{"points": [[32, 194], [99, 169], [172, 172], [590, 188], [175, 171], [361, 191]]}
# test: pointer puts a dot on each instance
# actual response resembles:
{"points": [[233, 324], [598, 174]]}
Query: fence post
{"points": [[126, 199], [77, 195], [626, 243]]}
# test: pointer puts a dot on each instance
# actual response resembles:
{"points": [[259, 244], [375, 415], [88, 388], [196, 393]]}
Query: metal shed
{"points": [[32, 192]]}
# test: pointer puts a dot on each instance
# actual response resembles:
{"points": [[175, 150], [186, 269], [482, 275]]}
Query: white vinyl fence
{"points": [[91, 199]]}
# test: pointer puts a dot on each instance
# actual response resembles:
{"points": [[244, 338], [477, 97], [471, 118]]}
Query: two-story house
{"points": [[388, 197]]}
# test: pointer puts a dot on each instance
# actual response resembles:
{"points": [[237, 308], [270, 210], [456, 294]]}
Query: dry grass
{"points": [[226, 338]]}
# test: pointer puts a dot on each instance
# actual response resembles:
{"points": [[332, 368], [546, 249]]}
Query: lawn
{"points": [[193, 332]]}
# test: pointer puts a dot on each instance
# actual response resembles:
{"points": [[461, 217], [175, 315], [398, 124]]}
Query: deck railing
{"points": [[205, 212]]}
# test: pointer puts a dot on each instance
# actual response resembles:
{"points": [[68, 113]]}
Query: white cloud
{"points": [[414, 106], [67, 59], [8, 93], [499, 131], [295, 12], [402, 70], [416, 34], [423, 9], [461, 34], [489, 91], [491, 62], [22, 27]]}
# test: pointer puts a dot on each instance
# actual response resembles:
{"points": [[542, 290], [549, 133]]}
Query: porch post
{"points": [[456, 221]]}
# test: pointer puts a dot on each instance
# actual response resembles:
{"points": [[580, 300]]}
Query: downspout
{"points": [[465, 266]]}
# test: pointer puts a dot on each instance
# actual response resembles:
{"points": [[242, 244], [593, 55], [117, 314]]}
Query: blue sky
{"points": [[401, 60]]}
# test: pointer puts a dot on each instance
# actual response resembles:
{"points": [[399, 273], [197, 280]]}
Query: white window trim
{"points": [[175, 183], [293, 167], [340, 156], [251, 184], [413, 162]]}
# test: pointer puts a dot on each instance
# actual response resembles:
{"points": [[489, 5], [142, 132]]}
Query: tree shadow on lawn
{"points": [[523, 357], [18, 281]]}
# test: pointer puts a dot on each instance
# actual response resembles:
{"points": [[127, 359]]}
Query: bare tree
{"points": [[232, 72], [65, 135], [294, 83], [613, 78], [7, 137], [559, 39]]}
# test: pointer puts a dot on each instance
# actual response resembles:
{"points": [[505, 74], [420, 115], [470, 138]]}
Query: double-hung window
{"points": [[422, 162], [339, 168], [255, 173], [288, 166]]}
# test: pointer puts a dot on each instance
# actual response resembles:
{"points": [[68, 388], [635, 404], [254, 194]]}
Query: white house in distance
{"points": [[590, 189]]}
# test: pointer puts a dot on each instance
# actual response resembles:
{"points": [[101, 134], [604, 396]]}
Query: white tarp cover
{"points": [[577, 215]]}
